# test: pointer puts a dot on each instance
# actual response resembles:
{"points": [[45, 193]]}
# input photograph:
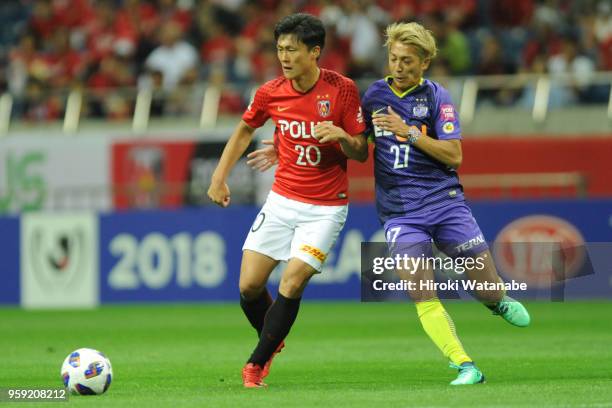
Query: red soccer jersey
{"points": [[309, 171]]}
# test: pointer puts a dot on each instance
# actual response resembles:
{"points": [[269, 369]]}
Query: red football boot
{"points": [[266, 368], [252, 376]]}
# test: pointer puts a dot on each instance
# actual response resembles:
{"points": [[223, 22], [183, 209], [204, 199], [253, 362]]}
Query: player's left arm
{"points": [[445, 151], [354, 147], [350, 132]]}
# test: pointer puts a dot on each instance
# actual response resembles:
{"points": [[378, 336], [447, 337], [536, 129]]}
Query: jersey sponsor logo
{"points": [[315, 252], [420, 111], [448, 127], [297, 130], [282, 108], [378, 132], [539, 250], [447, 113], [324, 108]]}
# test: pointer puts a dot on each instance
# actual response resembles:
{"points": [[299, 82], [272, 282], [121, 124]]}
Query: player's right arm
{"points": [[218, 191], [255, 116]]}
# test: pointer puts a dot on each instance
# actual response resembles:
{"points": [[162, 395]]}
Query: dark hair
{"points": [[307, 28]]}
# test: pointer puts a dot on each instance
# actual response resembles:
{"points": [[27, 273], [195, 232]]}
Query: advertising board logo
{"points": [[539, 250], [56, 255], [22, 182], [145, 168], [59, 260]]}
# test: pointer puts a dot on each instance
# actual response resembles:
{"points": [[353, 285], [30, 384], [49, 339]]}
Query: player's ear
{"points": [[425, 63], [316, 51]]}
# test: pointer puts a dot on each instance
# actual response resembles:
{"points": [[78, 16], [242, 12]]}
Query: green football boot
{"points": [[513, 312], [468, 374]]}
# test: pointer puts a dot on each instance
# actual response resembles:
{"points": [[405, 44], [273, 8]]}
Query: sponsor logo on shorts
{"points": [[315, 252], [470, 244]]}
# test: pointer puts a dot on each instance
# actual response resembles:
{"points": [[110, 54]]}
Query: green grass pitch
{"points": [[338, 355]]}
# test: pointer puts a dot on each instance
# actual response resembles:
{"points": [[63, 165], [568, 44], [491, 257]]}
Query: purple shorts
{"points": [[452, 228]]}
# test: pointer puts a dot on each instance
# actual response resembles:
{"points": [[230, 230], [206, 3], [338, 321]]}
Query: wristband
{"points": [[413, 135]]}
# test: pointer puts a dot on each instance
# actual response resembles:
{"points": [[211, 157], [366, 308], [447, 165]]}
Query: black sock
{"points": [[278, 322], [255, 310]]}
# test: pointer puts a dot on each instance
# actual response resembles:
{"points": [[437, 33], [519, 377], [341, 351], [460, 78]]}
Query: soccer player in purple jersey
{"points": [[419, 199]]}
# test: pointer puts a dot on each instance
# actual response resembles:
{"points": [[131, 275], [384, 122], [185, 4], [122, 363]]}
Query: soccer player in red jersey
{"points": [[318, 126]]}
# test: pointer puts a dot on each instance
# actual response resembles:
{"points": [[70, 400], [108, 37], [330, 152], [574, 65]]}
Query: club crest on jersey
{"points": [[324, 107], [420, 111]]}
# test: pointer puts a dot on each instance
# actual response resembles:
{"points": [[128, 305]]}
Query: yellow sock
{"points": [[441, 330]]}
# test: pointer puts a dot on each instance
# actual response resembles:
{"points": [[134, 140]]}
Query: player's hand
{"points": [[264, 158], [391, 122], [219, 193], [327, 132]]}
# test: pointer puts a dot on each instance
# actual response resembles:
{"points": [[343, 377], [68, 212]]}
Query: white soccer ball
{"points": [[87, 372]]}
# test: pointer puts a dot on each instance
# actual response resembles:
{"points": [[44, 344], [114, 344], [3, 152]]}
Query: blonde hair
{"points": [[412, 34]]}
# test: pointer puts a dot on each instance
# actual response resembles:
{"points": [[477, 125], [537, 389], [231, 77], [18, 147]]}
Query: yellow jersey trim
{"points": [[407, 91]]}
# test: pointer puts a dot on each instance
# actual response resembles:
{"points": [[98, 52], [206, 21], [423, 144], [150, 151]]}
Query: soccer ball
{"points": [[87, 372]]}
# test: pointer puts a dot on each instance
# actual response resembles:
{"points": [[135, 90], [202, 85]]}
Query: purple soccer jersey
{"points": [[407, 180]]}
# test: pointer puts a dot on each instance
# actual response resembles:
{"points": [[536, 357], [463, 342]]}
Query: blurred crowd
{"points": [[113, 47]]}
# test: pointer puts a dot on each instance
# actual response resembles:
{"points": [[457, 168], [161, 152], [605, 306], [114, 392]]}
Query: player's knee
{"points": [[250, 290], [291, 290], [292, 287]]}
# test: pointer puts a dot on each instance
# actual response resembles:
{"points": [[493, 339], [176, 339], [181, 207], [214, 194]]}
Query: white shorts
{"points": [[286, 229]]}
